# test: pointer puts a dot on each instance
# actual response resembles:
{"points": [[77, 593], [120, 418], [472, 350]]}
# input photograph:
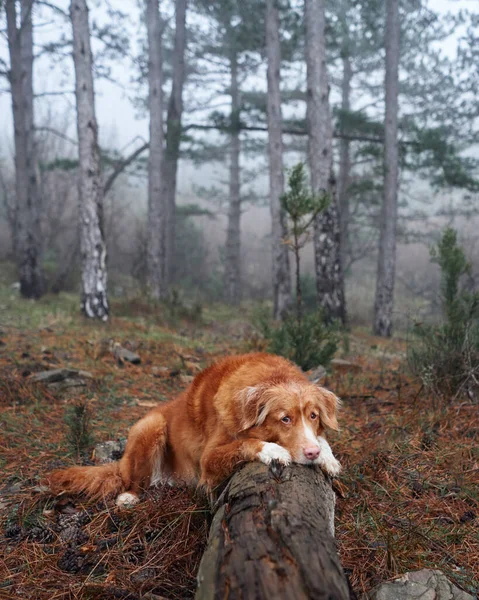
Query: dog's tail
{"points": [[103, 481]]}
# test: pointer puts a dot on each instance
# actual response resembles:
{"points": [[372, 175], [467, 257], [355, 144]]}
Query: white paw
{"points": [[326, 459], [331, 465], [126, 500], [271, 452]]}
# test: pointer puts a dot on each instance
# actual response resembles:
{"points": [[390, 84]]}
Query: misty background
{"points": [[435, 52]]}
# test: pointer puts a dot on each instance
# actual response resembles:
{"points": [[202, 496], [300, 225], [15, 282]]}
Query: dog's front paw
{"points": [[331, 465], [271, 451]]}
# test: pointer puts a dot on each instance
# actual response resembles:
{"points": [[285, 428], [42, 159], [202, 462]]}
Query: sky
{"points": [[121, 124]]}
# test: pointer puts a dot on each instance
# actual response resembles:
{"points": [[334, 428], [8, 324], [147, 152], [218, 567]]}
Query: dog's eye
{"points": [[313, 415], [286, 419]]}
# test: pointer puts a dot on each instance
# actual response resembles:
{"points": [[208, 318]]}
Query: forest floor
{"points": [[408, 496]]}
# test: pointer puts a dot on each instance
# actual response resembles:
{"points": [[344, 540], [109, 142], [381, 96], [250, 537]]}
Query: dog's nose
{"points": [[312, 452]]}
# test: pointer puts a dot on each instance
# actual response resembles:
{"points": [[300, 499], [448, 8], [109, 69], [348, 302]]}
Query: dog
{"points": [[251, 407]]}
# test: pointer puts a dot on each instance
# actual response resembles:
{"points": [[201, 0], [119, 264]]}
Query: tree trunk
{"points": [[383, 307], [173, 136], [94, 301], [156, 202], [272, 536], [233, 234], [281, 269], [28, 247], [329, 274], [345, 164]]}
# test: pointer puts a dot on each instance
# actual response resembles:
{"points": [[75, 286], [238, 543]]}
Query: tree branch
{"points": [[121, 165], [58, 134], [242, 127]]}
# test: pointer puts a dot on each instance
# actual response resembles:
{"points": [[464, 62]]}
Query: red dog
{"points": [[243, 408]]}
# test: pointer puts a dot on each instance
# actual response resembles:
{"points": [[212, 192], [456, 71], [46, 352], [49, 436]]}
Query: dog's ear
{"points": [[329, 404], [253, 406]]}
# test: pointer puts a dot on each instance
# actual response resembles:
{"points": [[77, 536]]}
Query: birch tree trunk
{"points": [[329, 273], [383, 307], [345, 164], [94, 300], [156, 202], [173, 136], [233, 234], [28, 246], [281, 269]]}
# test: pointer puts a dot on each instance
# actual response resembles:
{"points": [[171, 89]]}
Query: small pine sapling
{"points": [[303, 338], [302, 207], [79, 434], [446, 355]]}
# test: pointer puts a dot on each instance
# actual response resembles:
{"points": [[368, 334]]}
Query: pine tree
{"points": [[27, 233], [384, 302], [157, 209], [329, 273], [281, 270]]}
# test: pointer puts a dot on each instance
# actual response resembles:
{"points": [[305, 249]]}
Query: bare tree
{"points": [[329, 273], [233, 233], [156, 233], [384, 302], [27, 230], [94, 300], [281, 269], [344, 175], [345, 165], [173, 135]]}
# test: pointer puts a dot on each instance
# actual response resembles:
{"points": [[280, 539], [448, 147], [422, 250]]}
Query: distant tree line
{"points": [[404, 111]]}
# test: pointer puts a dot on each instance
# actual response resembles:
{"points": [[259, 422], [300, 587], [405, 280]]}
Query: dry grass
{"points": [[411, 477], [409, 489], [96, 551]]}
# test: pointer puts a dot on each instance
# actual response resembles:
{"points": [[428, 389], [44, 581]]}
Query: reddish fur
{"points": [[208, 430]]}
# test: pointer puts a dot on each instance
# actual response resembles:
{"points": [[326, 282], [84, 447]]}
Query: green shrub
{"points": [[178, 309], [303, 338], [309, 293], [446, 356], [308, 342], [79, 434]]}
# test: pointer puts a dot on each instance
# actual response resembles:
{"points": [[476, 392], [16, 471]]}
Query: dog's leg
{"points": [[326, 459], [143, 458], [220, 460]]}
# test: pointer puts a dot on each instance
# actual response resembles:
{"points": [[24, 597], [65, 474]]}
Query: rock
{"points": [[70, 382], [426, 584], [317, 374], [122, 354], [109, 451], [339, 365], [57, 375], [161, 372], [62, 380]]}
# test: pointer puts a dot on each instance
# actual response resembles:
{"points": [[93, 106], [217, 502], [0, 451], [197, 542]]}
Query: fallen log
{"points": [[272, 536]]}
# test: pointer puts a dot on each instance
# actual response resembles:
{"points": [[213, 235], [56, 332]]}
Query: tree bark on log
{"points": [[272, 536]]}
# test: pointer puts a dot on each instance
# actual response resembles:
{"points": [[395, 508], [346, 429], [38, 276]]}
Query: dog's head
{"points": [[291, 414]]}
